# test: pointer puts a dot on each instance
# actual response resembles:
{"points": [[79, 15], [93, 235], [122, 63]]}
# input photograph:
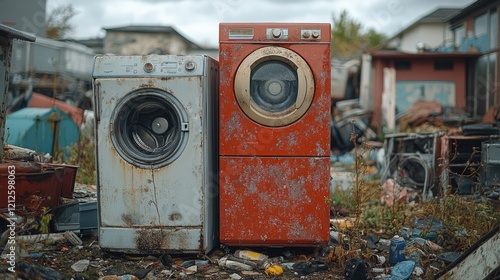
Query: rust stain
{"points": [[175, 217], [257, 201], [127, 219], [150, 239]]}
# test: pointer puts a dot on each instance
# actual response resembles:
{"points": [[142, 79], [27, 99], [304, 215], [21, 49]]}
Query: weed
{"points": [[83, 155], [465, 218]]}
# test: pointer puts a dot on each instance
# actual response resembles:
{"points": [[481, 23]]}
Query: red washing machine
{"points": [[274, 134]]}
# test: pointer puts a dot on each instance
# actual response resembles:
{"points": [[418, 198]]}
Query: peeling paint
{"points": [[274, 179], [147, 203]]}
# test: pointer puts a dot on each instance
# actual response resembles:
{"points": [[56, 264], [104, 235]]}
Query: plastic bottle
{"points": [[397, 250], [234, 265], [250, 255]]}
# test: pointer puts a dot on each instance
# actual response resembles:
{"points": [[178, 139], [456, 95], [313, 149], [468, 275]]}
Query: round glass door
{"points": [[274, 86], [149, 128]]}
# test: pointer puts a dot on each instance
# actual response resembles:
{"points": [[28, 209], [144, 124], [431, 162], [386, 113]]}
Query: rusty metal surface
{"points": [[274, 179], [239, 135], [69, 177], [167, 207], [274, 201], [35, 186]]}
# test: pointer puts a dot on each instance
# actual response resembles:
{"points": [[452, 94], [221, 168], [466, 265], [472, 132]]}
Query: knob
{"points": [[276, 32], [315, 35], [190, 66], [306, 35], [148, 67]]}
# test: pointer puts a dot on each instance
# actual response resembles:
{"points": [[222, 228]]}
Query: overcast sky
{"points": [[198, 20]]}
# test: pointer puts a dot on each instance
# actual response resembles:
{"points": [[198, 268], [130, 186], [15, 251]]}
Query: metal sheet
{"points": [[478, 262], [274, 201], [151, 239], [239, 135]]}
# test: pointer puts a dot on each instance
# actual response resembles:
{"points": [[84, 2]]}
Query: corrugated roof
{"points": [[10, 32]]}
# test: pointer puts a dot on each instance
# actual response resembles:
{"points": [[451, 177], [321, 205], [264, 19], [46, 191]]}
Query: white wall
{"points": [[432, 35]]}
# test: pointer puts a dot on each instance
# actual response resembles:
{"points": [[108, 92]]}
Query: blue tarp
{"points": [[35, 128]]}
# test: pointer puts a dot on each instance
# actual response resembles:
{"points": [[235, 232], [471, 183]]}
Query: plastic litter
{"points": [[121, 277], [356, 269], [235, 276], [250, 255], [81, 265], [402, 270], [288, 265], [377, 259], [305, 268], [234, 265], [449, 257], [274, 270], [51, 238], [32, 271]]}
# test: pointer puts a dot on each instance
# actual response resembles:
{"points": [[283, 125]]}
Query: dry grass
{"points": [[82, 154]]}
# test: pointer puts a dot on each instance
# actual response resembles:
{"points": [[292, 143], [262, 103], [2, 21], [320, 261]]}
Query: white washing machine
{"points": [[155, 129]]}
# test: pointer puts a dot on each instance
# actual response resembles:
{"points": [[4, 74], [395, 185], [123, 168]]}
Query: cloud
{"points": [[198, 20]]}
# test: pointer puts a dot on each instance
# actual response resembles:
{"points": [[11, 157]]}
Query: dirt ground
{"points": [[62, 256]]}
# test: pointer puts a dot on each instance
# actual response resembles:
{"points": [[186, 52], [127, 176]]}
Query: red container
{"points": [[28, 184], [69, 177]]}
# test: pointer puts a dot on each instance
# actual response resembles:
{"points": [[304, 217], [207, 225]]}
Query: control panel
{"points": [[171, 65]]}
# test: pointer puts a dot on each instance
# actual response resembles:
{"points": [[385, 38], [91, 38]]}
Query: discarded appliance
{"points": [[351, 119], [490, 160], [78, 216], [155, 141], [460, 162], [274, 114], [410, 161], [45, 130]]}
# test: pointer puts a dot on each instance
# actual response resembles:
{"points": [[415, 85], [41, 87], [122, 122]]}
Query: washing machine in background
{"points": [[274, 137], [156, 143]]}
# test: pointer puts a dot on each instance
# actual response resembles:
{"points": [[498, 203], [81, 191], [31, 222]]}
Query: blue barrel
{"points": [[397, 250]]}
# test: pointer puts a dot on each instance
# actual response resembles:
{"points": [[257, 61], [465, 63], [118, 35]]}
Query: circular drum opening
{"points": [[415, 170], [149, 128], [274, 86]]}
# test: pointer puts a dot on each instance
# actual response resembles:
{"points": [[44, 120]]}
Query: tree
{"points": [[57, 23], [348, 39]]}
